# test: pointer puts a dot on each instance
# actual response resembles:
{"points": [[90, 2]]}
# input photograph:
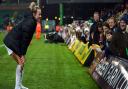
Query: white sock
{"points": [[18, 77], [22, 72], [22, 87]]}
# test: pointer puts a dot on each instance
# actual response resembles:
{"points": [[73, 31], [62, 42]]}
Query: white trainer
{"points": [[23, 87], [18, 87]]}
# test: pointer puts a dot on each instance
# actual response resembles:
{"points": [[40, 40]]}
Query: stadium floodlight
{"points": [[55, 17]]}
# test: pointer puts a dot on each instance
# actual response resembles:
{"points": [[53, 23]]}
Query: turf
{"points": [[2, 34], [48, 66]]}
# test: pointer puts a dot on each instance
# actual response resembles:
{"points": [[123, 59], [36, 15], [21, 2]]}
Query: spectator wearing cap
{"points": [[124, 13]]}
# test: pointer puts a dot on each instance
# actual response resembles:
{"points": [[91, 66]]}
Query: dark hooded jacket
{"points": [[119, 44], [20, 37]]}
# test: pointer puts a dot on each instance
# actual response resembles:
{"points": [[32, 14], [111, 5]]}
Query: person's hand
{"points": [[109, 37], [23, 59], [101, 46]]}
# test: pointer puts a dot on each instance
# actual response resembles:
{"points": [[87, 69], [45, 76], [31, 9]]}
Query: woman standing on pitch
{"points": [[18, 40]]}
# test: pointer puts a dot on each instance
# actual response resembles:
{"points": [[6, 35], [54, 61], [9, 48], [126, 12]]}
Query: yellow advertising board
{"points": [[75, 45], [79, 53]]}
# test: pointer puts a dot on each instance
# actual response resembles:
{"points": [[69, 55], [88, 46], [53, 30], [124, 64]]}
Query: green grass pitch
{"points": [[48, 66]]}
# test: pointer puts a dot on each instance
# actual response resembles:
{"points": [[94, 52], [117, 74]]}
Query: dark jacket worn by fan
{"points": [[94, 31], [19, 38], [119, 43]]}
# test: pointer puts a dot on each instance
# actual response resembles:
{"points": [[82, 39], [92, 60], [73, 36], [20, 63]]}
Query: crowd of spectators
{"points": [[109, 31]]}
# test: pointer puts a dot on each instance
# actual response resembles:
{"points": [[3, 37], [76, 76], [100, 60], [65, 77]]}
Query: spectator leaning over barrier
{"points": [[100, 36], [106, 28], [94, 29], [18, 40], [119, 43], [86, 30], [107, 39], [107, 43], [78, 31]]}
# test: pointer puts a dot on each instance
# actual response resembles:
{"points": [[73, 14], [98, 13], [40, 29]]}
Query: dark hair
{"points": [[106, 24], [113, 18], [33, 7], [109, 32], [124, 19], [99, 24]]}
